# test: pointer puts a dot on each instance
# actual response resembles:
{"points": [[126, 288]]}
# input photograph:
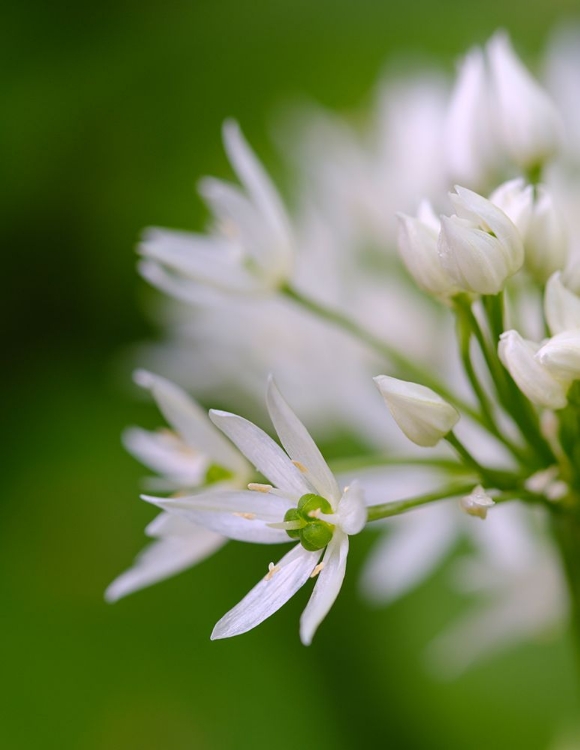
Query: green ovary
{"points": [[314, 533]]}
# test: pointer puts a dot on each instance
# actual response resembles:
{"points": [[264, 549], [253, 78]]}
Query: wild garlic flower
{"points": [[303, 503], [479, 246], [250, 247], [192, 455]]}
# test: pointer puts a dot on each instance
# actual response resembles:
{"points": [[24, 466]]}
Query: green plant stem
{"points": [[386, 510], [464, 336], [403, 365], [490, 477], [566, 528]]}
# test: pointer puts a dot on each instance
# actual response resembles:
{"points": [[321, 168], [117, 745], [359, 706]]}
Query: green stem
{"points": [[566, 528], [491, 477], [377, 512], [464, 335], [403, 365]]}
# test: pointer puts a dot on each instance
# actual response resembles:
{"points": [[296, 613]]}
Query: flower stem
{"points": [[566, 528], [377, 512], [491, 477]]}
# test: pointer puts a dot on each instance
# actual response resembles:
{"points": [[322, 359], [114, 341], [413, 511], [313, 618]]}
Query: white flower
{"points": [[251, 247], [529, 126], [470, 150], [417, 242], [193, 455], [561, 354], [561, 305], [531, 376], [477, 503], [422, 414], [303, 502], [479, 247], [541, 227]]}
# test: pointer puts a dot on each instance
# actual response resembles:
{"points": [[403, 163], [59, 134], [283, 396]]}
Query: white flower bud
{"points": [[478, 503], [528, 123], [470, 151], [561, 354], [538, 222], [417, 242], [561, 305], [534, 379], [422, 414], [480, 247]]}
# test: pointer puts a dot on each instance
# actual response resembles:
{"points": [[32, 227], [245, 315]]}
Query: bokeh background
{"points": [[110, 112]]}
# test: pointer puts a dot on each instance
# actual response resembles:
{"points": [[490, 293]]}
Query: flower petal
{"points": [[164, 558], [266, 455], [327, 587], [299, 445], [352, 511], [238, 515], [269, 595], [191, 421]]}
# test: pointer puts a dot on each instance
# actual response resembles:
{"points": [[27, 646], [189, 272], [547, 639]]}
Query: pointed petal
{"points": [[166, 454], [256, 181], [327, 587], [266, 455], [191, 421], [269, 595], [299, 445], [238, 515], [165, 558]]}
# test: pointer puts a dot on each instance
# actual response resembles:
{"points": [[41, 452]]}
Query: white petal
{"points": [[269, 595], [166, 454], [352, 511], [256, 181], [170, 524], [191, 421], [165, 558], [327, 587], [266, 455], [206, 259], [300, 446], [238, 515], [561, 305]]}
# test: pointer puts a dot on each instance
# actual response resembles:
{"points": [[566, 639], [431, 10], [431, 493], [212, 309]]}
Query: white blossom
{"points": [[480, 247], [477, 503], [250, 248], [274, 513], [422, 414]]}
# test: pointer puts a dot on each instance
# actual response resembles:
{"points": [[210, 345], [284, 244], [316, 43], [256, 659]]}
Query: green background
{"points": [[110, 113]]}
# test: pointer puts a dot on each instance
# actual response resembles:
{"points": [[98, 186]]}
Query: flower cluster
{"points": [[438, 250]]}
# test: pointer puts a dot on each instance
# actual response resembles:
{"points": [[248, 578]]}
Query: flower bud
{"points": [[561, 354], [477, 503], [528, 123], [417, 242], [561, 305], [479, 247], [538, 222], [534, 379], [422, 414]]}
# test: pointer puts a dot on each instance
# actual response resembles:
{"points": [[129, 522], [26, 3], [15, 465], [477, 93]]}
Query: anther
{"points": [[317, 570], [247, 516], [271, 570], [300, 467], [256, 487]]}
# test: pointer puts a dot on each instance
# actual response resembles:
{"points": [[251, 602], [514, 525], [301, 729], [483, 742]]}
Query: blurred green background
{"points": [[111, 112]]}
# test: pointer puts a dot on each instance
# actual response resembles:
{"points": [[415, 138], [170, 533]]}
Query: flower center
{"points": [[314, 533]]}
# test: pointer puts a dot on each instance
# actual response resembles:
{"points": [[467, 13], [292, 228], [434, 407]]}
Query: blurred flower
{"points": [[250, 248], [194, 455], [477, 503]]}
